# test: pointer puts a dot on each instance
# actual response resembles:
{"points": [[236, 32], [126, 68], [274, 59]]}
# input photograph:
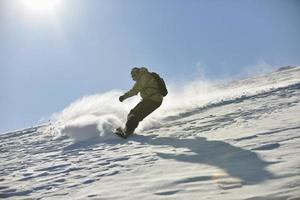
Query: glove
{"points": [[121, 98]]}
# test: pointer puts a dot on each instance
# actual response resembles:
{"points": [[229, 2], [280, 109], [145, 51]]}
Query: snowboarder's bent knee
{"points": [[152, 89]]}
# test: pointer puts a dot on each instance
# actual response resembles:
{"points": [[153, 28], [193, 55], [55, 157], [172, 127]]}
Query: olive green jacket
{"points": [[147, 86]]}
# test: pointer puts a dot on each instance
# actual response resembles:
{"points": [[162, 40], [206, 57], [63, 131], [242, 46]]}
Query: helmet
{"points": [[135, 71]]}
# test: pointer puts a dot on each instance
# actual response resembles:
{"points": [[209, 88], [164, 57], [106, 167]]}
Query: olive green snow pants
{"points": [[138, 113]]}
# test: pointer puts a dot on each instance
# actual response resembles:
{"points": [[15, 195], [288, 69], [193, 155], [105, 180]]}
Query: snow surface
{"points": [[208, 141]]}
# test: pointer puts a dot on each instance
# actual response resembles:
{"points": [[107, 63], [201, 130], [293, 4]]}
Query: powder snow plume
{"points": [[98, 115]]}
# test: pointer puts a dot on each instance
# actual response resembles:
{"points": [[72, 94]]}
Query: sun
{"points": [[42, 7]]}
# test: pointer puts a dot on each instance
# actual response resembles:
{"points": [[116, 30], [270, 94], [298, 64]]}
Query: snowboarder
{"points": [[152, 89]]}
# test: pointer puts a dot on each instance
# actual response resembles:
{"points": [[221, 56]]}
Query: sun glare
{"points": [[41, 7]]}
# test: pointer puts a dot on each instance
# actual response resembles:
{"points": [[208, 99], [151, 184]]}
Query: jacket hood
{"points": [[143, 70]]}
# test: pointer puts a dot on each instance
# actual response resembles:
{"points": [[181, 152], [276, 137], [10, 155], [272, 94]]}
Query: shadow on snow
{"points": [[237, 162]]}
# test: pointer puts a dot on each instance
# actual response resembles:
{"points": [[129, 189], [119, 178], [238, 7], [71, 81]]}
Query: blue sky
{"points": [[89, 46]]}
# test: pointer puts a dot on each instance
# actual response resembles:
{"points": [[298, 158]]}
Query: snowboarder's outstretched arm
{"points": [[130, 93]]}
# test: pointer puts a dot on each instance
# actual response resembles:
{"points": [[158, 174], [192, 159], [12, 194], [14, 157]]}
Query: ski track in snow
{"points": [[245, 148]]}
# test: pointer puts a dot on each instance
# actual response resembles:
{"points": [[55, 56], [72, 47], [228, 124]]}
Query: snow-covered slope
{"points": [[240, 142]]}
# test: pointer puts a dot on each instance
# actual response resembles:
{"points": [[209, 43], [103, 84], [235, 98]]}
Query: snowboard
{"points": [[120, 132]]}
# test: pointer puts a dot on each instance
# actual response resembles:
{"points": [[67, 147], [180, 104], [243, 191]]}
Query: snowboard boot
{"points": [[122, 132]]}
